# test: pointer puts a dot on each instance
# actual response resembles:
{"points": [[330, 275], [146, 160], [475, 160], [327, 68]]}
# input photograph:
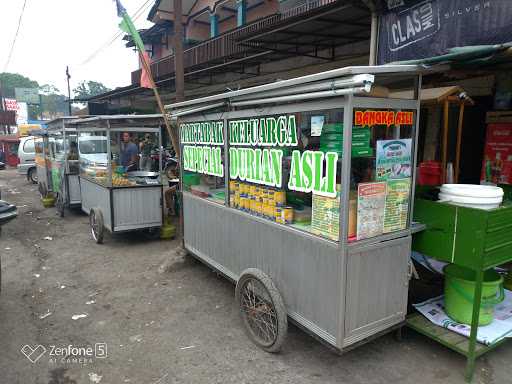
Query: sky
{"points": [[56, 33]]}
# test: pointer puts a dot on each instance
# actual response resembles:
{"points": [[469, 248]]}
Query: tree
{"points": [[9, 81], [87, 89], [49, 89]]}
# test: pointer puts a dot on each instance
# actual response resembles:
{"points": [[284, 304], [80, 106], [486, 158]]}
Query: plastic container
{"points": [[472, 195], [48, 201], [459, 293], [430, 173]]}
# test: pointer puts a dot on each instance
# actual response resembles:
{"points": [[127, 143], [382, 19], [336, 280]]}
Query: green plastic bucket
{"points": [[459, 293]]}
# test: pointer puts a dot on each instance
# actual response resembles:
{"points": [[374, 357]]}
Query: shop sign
{"points": [[393, 159], [370, 118], [10, 104], [416, 29], [207, 132], [203, 152], [260, 160]]}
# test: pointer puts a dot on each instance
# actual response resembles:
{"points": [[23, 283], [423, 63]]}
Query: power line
{"points": [[118, 34], [15, 36]]}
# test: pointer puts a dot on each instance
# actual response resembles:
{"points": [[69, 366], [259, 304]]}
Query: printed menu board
{"points": [[325, 216], [397, 205], [371, 201]]}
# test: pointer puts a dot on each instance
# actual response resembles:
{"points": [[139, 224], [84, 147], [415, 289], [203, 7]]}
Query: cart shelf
{"points": [[448, 338], [473, 238]]}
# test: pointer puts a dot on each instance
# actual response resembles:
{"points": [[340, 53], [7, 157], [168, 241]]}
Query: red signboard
{"points": [[371, 118], [497, 162]]}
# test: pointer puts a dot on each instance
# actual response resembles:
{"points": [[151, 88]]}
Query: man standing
{"points": [[129, 153], [146, 147]]}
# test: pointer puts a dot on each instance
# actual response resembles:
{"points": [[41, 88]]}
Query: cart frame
{"points": [[320, 280], [42, 161]]}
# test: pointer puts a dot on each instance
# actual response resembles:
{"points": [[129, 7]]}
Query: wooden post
{"points": [[178, 52], [179, 76], [444, 156], [459, 141], [170, 131]]}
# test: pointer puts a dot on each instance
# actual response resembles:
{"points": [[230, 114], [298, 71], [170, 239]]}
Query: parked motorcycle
{"points": [[169, 163]]}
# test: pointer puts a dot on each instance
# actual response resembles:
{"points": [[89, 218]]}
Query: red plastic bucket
{"points": [[430, 173]]}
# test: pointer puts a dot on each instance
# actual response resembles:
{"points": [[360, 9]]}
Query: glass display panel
{"points": [[202, 146], [93, 159], [381, 171], [72, 153], [287, 168], [135, 158]]}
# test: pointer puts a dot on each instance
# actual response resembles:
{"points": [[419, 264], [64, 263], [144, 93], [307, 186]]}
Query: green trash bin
{"points": [[459, 293]]}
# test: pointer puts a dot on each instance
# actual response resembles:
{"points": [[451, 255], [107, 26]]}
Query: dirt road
{"points": [[62, 292]]}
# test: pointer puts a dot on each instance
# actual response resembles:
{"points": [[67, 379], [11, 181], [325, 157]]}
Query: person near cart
{"points": [[73, 151], [146, 147], [72, 157], [129, 153]]}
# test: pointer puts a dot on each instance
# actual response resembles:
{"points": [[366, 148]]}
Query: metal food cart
{"points": [[41, 145], [306, 233], [63, 163], [118, 197]]}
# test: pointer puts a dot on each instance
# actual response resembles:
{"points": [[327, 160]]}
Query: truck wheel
{"points": [[32, 175], [262, 310], [96, 222]]}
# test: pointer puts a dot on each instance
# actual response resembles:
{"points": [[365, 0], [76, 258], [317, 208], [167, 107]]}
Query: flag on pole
{"points": [[127, 26]]}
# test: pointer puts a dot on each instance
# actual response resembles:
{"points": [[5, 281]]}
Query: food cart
{"points": [[117, 192], [63, 164], [272, 201], [41, 146]]}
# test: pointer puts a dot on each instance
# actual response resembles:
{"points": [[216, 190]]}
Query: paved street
{"points": [[175, 327]]}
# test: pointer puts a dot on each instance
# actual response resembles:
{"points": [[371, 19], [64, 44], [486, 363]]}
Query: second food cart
{"points": [[62, 157], [300, 191], [117, 192]]}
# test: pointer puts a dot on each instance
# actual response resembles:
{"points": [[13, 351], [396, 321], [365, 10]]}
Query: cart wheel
{"points": [[399, 336], [262, 310], [96, 222], [32, 175], [60, 204]]}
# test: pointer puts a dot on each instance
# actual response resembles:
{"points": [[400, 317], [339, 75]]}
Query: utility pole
{"points": [[68, 76], [179, 81], [4, 127]]}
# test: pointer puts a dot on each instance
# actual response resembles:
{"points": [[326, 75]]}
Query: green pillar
{"points": [[241, 14], [214, 25]]}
